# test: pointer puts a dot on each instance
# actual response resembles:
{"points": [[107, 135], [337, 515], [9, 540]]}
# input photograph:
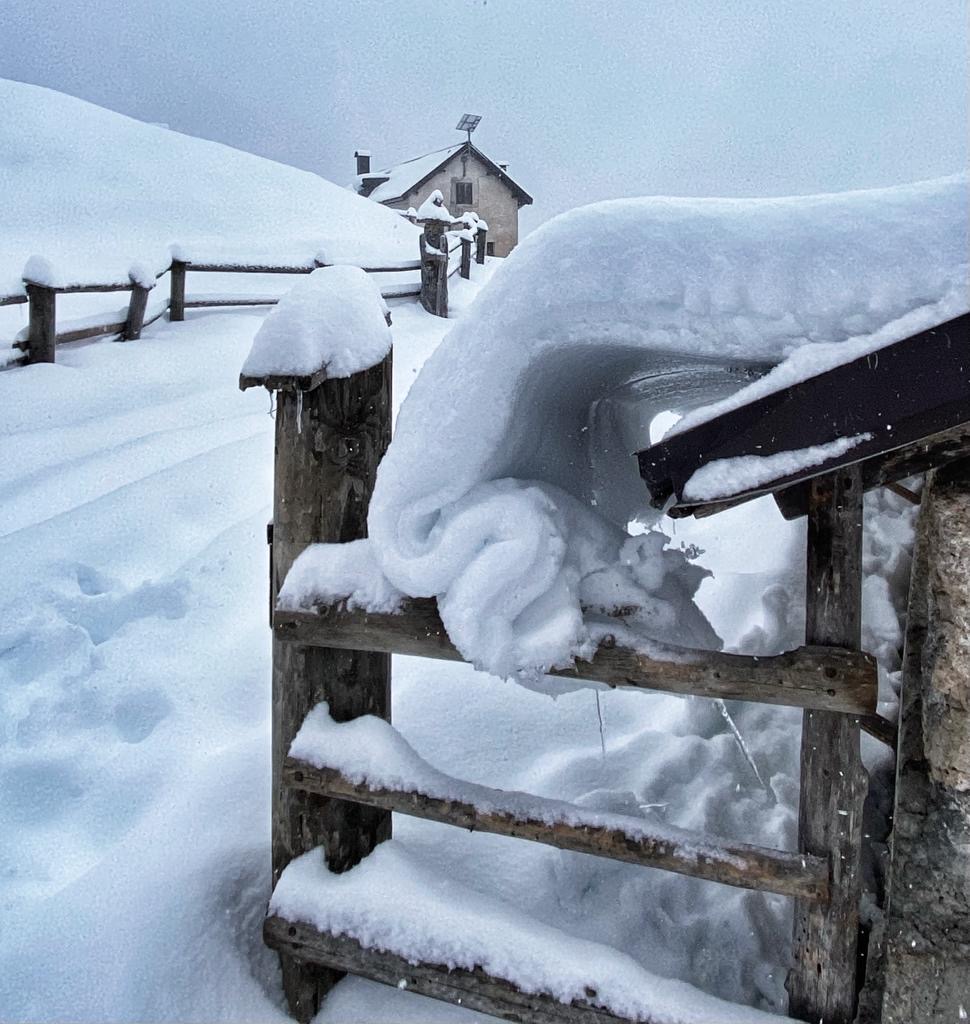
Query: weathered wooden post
{"points": [[480, 235], [176, 302], [136, 310], [466, 256], [42, 329], [330, 437], [927, 976], [822, 982], [434, 267]]}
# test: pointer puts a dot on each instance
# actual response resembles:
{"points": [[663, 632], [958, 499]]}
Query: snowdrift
{"points": [[509, 485], [94, 192]]}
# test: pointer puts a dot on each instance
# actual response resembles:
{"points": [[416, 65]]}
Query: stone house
{"points": [[468, 180]]}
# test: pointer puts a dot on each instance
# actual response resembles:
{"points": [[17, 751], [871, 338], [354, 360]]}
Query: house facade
{"points": [[467, 179]]}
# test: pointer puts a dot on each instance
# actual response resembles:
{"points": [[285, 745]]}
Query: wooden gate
{"points": [[330, 437]]}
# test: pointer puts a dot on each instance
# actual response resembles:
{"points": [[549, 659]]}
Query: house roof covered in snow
{"points": [[400, 179]]}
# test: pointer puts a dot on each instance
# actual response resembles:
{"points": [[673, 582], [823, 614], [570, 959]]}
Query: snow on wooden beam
{"points": [[825, 678], [891, 399], [671, 849], [910, 460], [473, 989]]}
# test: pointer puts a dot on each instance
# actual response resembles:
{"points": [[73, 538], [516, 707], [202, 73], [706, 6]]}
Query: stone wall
{"points": [[927, 940]]}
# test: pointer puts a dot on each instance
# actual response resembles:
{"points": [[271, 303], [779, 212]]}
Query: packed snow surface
{"points": [[332, 319], [93, 215], [509, 484], [393, 902]]}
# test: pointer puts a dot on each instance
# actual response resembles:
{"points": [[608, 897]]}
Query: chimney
{"points": [[363, 161]]}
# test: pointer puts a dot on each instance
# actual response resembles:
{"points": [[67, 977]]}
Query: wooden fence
{"points": [[330, 437], [42, 335]]}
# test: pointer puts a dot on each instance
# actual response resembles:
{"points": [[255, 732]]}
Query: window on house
{"points": [[463, 193], [489, 248]]}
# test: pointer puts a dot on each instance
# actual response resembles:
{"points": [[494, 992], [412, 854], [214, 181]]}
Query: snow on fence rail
{"points": [[37, 342]]}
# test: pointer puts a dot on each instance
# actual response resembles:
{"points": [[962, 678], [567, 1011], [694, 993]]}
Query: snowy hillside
{"points": [[94, 192]]}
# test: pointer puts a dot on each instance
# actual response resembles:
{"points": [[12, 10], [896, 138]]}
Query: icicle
{"points": [[722, 707], [299, 412], [599, 715]]}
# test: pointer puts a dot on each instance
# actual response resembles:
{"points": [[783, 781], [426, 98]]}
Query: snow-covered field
{"points": [[134, 648], [134, 763]]}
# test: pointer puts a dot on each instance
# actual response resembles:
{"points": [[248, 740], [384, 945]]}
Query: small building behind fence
{"points": [[466, 177]]}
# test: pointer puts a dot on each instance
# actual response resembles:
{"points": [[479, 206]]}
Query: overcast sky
{"points": [[584, 100]]}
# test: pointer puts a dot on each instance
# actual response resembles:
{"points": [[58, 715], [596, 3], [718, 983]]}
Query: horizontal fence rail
{"points": [[38, 341], [824, 678], [679, 850]]}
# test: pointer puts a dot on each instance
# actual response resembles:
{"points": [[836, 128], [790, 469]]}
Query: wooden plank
{"points": [[401, 268], [283, 382], [92, 289], [466, 258], [679, 850], [910, 460], [810, 677], [157, 316], [480, 236], [329, 441], [22, 361], [894, 397], [176, 302], [822, 982], [241, 300], [473, 989], [12, 300], [92, 331], [397, 291], [927, 942], [251, 268], [136, 312], [42, 330]]}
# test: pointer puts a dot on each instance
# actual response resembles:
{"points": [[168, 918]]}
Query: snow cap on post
{"points": [[433, 208], [332, 323]]}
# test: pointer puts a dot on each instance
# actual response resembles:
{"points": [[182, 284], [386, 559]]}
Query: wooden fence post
{"points": [[822, 982], [136, 311], [42, 331], [329, 441], [466, 258], [480, 237], [176, 303], [434, 267]]}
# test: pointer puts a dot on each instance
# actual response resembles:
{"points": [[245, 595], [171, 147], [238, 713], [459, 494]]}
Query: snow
{"points": [[598, 321], [369, 750], [332, 319], [93, 217], [134, 648], [394, 902], [401, 178], [134, 667], [725, 477], [433, 208], [325, 574]]}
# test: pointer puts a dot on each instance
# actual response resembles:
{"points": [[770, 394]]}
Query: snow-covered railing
{"points": [[37, 342], [42, 287], [331, 432], [441, 238]]}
